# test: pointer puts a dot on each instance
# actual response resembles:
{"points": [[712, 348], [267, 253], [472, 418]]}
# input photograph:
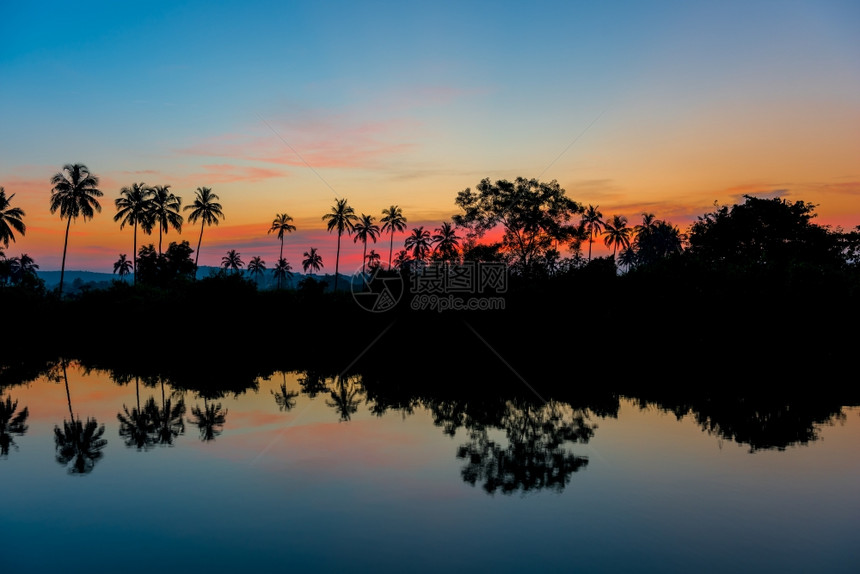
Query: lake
{"points": [[295, 471]]}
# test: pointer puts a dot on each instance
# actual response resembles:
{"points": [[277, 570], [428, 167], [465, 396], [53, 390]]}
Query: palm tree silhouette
{"points": [[285, 399], [74, 195], [133, 207], [256, 267], [313, 383], [627, 258], [232, 261], [617, 233], [312, 260], [373, 259], [164, 210], [649, 223], [346, 397], [11, 219], [209, 420], [419, 243], [205, 208], [340, 218], [282, 225], [122, 266], [11, 423], [592, 222], [446, 241], [78, 443], [392, 220], [364, 229], [167, 420], [402, 260], [20, 267], [282, 271], [137, 425]]}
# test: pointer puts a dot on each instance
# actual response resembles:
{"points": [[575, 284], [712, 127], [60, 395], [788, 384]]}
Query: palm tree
{"points": [[164, 210], [232, 261], [10, 219], [446, 241], [419, 243], [20, 267], [364, 229], [137, 425], [392, 220], [402, 260], [78, 443], [285, 399], [167, 420], [74, 194], [209, 420], [11, 423], [282, 271], [346, 397], [340, 218], [628, 258], [282, 225], [205, 208], [649, 223], [133, 208], [373, 259], [617, 233], [255, 267], [122, 266], [592, 222], [312, 260]]}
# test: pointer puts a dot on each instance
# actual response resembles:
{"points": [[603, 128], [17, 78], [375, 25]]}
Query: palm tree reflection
{"points": [[346, 396], [137, 426], [11, 424], [286, 399], [209, 420], [79, 445], [167, 420]]}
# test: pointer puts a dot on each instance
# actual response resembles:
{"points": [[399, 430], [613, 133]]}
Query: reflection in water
{"points": [[137, 426], [534, 457], [79, 445], [285, 399], [346, 396], [210, 420], [11, 424], [313, 383], [168, 420]]}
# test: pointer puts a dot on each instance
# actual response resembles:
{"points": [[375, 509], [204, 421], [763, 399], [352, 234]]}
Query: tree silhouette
{"points": [[392, 220], [122, 266], [209, 420], [419, 243], [256, 267], [313, 383], [282, 271], [617, 233], [164, 210], [21, 268], [205, 208], [137, 426], [133, 207], [232, 261], [281, 224], [285, 399], [74, 195], [312, 260], [536, 217], [167, 420], [446, 242], [11, 424], [346, 397], [341, 218], [592, 223], [78, 443], [11, 219], [373, 259], [365, 229]]}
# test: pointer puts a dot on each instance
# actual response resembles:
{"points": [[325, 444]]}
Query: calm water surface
{"points": [[276, 480]]}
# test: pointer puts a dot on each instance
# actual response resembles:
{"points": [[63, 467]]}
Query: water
{"points": [[337, 481]]}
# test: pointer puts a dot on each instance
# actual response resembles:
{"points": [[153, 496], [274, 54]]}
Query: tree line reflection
{"points": [[509, 442]]}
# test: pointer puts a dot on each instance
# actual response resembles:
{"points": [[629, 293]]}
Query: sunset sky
{"points": [[663, 107]]}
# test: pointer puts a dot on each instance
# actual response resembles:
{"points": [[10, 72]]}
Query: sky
{"points": [[283, 107]]}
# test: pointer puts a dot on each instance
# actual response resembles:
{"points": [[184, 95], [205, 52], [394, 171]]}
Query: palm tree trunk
{"points": [[390, 249], [68, 394], [197, 255], [63, 266], [336, 262], [282, 248], [590, 238], [364, 257], [134, 256], [160, 229]]}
